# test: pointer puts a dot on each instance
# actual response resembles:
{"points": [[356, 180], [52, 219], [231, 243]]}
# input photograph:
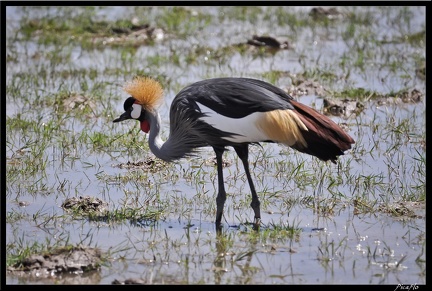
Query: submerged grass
{"points": [[61, 142]]}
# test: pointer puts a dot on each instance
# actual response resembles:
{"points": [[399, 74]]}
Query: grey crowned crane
{"points": [[234, 112]]}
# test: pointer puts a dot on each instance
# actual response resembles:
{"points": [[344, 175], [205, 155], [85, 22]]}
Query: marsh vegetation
{"points": [[77, 182]]}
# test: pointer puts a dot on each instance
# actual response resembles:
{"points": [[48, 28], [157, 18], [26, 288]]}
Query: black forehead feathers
{"points": [[128, 103]]}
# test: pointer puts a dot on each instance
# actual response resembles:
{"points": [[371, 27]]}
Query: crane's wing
{"points": [[236, 97], [233, 110], [224, 111]]}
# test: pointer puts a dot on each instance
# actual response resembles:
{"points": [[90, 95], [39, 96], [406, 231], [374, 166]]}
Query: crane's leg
{"points": [[221, 197], [243, 153]]}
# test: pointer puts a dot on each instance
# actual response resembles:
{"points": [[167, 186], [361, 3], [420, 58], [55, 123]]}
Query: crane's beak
{"points": [[122, 117]]}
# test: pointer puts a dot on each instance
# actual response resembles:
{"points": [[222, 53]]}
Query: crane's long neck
{"points": [[173, 149], [155, 141]]}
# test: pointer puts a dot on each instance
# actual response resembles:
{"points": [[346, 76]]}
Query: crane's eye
{"points": [[136, 111]]}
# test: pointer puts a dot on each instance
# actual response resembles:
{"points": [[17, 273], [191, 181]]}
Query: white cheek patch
{"points": [[245, 128], [136, 111]]}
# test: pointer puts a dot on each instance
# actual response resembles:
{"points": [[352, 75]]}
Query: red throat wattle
{"points": [[145, 126]]}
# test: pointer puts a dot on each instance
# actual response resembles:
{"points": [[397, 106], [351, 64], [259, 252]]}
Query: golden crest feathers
{"points": [[147, 91]]}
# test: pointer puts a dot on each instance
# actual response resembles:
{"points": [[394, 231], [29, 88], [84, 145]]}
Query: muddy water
{"points": [[342, 247]]}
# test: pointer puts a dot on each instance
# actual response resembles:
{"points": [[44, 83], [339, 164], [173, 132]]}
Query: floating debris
{"points": [[129, 30], [23, 203], [150, 163], [268, 41], [131, 281]]}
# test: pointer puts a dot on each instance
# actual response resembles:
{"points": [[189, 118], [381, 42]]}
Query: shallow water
{"points": [[341, 248]]}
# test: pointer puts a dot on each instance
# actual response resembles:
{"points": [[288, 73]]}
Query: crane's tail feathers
{"points": [[324, 138]]}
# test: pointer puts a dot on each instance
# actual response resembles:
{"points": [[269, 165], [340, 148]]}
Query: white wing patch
{"points": [[282, 126], [245, 129]]}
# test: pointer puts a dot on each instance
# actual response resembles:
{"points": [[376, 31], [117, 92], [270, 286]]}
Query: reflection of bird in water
{"points": [[232, 112], [226, 260]]}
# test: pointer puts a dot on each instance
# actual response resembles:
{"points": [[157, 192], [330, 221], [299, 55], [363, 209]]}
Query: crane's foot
{"points": [[218, 223], [257, 223], [256, 208], [220, 201], [218, 227]]}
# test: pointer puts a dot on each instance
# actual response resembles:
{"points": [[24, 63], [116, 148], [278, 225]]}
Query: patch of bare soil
{"points": [[67, 265], [78, 101], [404, 209], [136, 34], [301, 87], [344, 108], [151, 164], [347, 108], [321, 13], [166, 279], [85, 205], [413, 96], [350, 108], [213, 162]]}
